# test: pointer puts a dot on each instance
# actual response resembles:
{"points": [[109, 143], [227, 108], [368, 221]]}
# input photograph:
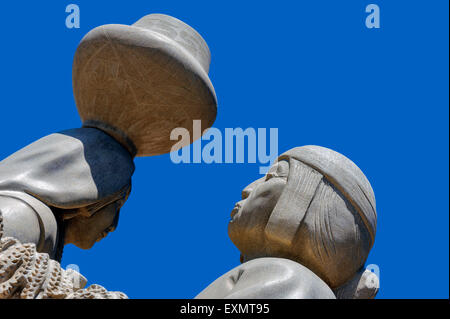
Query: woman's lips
{"points": [[235, 210]]}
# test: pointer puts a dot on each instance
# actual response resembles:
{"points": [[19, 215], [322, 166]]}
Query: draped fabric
{"points": [[71, 169], [78, 168], [268, 278], [342, 173]]}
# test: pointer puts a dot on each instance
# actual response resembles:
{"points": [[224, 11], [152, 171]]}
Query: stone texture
{"points": [[28, 274], [73, 183], [268, 278], [140, 82], [132, 86], [364, 285], [316, 208]]}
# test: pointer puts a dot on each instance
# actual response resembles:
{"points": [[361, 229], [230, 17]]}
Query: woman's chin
{"points": [[85, 245]]}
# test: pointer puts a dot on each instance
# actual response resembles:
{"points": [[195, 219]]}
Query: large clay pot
{"points": [[137, 83]]}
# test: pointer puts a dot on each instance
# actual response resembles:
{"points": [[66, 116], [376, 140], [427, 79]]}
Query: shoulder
{"points": [[269, 278], [20, 221], [28, 220]]}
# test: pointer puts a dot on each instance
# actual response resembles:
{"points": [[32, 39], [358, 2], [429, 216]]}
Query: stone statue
{"points": [[304, 231], [133, 85]]}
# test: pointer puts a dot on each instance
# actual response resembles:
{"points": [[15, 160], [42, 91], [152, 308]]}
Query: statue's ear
{"points": [[364, 285]]}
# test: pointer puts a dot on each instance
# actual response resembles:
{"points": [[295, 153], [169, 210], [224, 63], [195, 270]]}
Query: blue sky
{"points": [[311, 69]]}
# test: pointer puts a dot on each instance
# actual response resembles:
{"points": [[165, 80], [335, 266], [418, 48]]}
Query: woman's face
{"points": [[250, 215], [84, 231]]}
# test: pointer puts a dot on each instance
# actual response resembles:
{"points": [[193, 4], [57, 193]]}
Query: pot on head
{"points": [[137, 83]]}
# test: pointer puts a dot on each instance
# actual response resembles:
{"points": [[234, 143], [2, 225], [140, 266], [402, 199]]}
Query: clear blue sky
{"points": [[311, 69]]}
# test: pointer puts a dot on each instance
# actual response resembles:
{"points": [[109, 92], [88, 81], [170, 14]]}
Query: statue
{"points": [[304, 231], [133, 85]]}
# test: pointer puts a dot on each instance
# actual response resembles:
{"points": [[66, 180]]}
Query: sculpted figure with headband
{"points": [[304, 231]]}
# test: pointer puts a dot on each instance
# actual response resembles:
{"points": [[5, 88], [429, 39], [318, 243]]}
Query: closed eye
{"points": [[281, 169]]}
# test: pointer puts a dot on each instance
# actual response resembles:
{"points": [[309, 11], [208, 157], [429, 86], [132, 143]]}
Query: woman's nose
{"points": [[246, 193]]}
